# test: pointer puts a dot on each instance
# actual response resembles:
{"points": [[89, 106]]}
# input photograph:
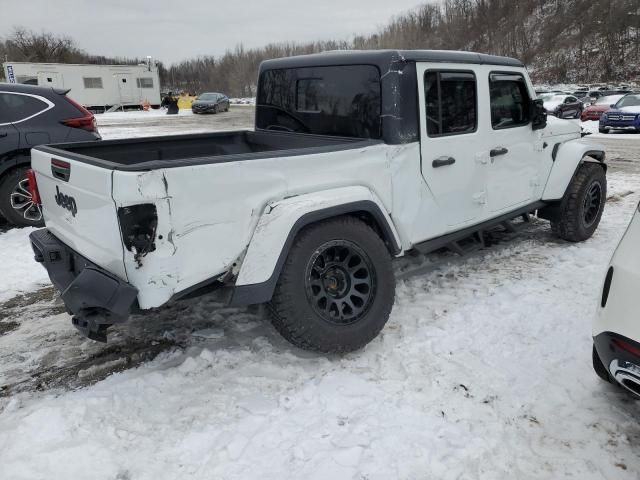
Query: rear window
{"points": [[336, 100], [15, 107]]}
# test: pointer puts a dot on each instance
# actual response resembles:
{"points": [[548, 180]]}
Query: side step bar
{"points": [[474, 235]]}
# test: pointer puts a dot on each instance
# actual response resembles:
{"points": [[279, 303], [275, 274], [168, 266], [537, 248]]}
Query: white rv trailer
{"points": [[94, 86]]}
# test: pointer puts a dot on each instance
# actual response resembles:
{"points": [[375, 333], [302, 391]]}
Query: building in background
{"points": [[97, 87]]}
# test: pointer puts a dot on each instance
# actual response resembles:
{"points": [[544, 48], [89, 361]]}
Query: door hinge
{"points": [[482, 158]]}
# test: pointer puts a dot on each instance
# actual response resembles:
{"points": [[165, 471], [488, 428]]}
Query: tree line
{"points": [[560, 41]]}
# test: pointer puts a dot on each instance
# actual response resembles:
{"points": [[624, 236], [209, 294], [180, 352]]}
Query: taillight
{"points": [[86, 122], [33, 187], [627, 347]]}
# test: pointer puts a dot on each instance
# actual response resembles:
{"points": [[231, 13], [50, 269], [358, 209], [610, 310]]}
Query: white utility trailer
{"points": [[96, 87]]}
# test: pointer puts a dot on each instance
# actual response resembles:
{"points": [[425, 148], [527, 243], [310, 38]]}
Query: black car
{"points": [[210, 102], [31, 116], [562, 106]]}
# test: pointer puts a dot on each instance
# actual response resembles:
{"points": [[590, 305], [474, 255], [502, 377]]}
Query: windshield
{"points": [[629, 101], [610, 100], [208, 96]]}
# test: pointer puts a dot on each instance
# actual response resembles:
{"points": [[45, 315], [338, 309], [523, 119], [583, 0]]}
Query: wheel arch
{"points": [[567, 158], [13, 160], [264, 263]]}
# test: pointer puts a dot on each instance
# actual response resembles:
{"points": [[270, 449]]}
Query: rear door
{"points": [[514, 172], [453, 152], [50, 79], [78, 207], [125, 87]]}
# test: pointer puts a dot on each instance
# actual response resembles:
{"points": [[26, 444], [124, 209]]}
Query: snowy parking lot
{"points": [[483, 371]]}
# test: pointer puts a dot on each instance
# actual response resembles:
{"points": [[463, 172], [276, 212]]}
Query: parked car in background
{"points": [[210, 102], [616, 330], [595, 110], [563, 106], [31, 116], [623, 115]]}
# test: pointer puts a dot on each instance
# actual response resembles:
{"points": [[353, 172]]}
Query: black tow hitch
{"points": [[93, 324]]}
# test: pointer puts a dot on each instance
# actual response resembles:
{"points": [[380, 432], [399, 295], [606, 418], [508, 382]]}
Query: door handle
{"points": [[2, 135], [443, 162], [498, 151]]}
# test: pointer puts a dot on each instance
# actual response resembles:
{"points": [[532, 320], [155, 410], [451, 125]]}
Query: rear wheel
{"points": [[336, 289], [16, 205], [582, 205]]}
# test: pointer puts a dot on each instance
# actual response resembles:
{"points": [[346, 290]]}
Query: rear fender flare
{"points": [[281, 221]]}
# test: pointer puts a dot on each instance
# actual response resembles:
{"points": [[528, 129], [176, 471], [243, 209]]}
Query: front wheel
{"points": [[16, 205], [582, 205], [603, 130], [336, 289]]}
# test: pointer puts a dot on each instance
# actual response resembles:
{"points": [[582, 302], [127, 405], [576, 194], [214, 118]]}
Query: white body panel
{"points": [[278, 220], [233, 218], [621, 314], [70, 76]]}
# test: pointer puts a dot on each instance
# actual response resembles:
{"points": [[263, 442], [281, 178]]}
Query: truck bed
{"points": [[138, 154]]}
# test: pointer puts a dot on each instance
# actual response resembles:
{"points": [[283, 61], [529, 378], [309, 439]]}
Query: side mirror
{"points": [[538, 114], [613, 105]]}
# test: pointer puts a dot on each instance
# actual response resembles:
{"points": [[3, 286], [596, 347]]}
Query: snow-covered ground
{"points": [[18, 272], [591, 126], [483, 371]]}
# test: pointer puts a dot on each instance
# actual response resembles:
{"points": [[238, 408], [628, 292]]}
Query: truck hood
{"points": [[557, 127]]}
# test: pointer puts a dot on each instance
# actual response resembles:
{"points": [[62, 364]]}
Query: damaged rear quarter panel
{"points": [[207, 213]]}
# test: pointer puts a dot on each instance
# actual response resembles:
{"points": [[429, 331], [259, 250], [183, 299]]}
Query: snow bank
{"points": [[484, 371], [19, 273]]}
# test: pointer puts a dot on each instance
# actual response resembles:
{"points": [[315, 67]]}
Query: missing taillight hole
{"points": [[138, 224]]}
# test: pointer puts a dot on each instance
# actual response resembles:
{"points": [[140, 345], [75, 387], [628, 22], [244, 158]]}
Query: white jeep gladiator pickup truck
{"points": [[356, 157]]}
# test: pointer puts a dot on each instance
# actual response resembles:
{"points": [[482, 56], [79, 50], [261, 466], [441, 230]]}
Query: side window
{"points": [[510, 102], [451, 102], [14, 108], [144, 82], [92, 82]]}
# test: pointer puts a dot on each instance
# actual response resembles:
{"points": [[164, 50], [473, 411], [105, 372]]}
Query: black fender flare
{"points": [[368, 210]]}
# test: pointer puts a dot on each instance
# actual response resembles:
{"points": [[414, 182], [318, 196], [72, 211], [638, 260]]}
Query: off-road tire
{"points": [[8, 183], [599, 367], [293, 312], [571, 222]]}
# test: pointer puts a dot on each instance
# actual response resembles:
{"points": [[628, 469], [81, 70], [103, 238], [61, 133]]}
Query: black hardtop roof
{"points": [[385, 58], [32, 89]]}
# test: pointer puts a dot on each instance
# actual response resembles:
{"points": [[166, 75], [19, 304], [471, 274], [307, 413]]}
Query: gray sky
{"points": [[171, 31]]}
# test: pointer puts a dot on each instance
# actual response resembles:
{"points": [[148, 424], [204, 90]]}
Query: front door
{"points": [[514, 171], [125, 88], [454, 154]]}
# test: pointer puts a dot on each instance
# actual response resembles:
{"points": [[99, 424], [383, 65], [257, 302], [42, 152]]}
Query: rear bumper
{"points": [[95, 297], [615, 352]]}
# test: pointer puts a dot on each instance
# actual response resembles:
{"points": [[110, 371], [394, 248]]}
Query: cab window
{"points": [[510, 102], [451, 102]]}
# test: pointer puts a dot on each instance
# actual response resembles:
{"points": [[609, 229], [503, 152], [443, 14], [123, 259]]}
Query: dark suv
{"points": [[31, 116]]}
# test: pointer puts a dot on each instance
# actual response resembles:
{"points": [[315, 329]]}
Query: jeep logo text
{"points": [[66, 201]]}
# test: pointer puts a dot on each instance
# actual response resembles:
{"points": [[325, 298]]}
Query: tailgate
{"points": [[78, 207]]}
